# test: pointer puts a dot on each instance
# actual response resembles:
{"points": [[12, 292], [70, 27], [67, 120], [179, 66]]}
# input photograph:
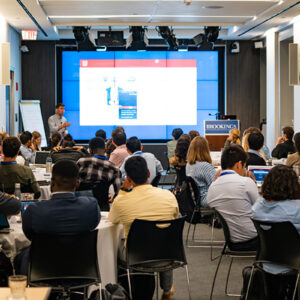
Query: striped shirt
{"points": [[203, 173]]}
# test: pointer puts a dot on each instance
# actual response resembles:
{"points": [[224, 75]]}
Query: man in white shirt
{"points": [[134, 147], [233, 195], [57, 122]]}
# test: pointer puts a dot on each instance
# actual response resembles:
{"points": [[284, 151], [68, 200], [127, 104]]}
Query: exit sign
{"points": [[29, 34]]}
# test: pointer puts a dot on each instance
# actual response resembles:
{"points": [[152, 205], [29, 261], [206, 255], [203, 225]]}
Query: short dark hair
{"points": [[177, 132], [55, 138], [136, 168], [97, 143], [281, 184], [58, 105], [119, 137], [133, 144], [101, 133], [11, 146], [289, 132], [231, 155], [297, 141], [255, 140], [66, 173], [25, 137], [68, 137], [67, 143]]}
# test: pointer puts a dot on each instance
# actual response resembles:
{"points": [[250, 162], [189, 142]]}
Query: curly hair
{"points": [[281, 184]]}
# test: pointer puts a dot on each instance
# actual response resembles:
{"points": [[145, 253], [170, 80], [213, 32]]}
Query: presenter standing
{"points": [[58, 123]]}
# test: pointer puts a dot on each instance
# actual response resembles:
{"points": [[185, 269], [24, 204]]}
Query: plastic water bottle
{"points": [[48, 164], [18, 190]]}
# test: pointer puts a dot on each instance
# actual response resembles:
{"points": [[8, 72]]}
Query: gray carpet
{"points": [[202, 270]]}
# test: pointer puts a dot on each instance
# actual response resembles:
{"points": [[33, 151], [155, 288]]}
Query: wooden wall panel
{"points": [[38, 76], [243, 84]]}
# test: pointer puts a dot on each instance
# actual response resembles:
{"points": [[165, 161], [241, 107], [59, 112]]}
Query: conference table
{"points": [[109, 236], [32, 293]]}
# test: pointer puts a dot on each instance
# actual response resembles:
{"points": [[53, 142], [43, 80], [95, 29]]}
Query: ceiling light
{"points": [[168, 35]]}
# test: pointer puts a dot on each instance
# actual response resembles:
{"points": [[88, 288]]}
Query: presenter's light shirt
{"points": [[54, 122], [277, 211], [143, 202], [233, 196]]}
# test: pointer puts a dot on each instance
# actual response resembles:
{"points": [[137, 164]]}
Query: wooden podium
{"points": [[217, 131]]}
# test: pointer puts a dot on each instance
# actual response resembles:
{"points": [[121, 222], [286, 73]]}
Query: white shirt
{"points": [[233, 196]]}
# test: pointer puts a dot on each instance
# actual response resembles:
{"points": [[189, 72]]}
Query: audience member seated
{"points": [[36, 141], [97, 167], [63, 214], [101, 133], [67, 151], [265, 152], [55, 141], [143, 202], [110, 147], [9, 205], [134, 147], [193, 133], [27, 149], [234, 138], [233, 196], [12, 173], [285, 145], [280, 203], [199, 166], [294, 159], [176, 133], [120, 153], [256, 142]]}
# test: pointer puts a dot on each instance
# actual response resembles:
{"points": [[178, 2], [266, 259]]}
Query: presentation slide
{"points": [[148, 93]]}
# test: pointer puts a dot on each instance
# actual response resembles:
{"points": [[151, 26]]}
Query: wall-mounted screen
{"points": [[148, 93]]}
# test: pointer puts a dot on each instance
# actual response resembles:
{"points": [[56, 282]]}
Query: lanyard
{"points": [[8, 163], [101, 157], [138, 153], [226, 173]]}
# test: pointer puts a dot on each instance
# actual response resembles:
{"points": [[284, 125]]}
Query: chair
{"points": [[98, 189], [155, 180], [279, 243], [155, 246], [64, 262], [228, 252], [189, 202]]}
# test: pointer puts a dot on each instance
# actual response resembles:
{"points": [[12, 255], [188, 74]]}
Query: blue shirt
{"points": [[27, 153], [203, 173], [277, 211]]}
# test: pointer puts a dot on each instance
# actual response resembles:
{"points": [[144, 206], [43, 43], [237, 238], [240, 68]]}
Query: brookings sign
{"points": [[220, 127]]}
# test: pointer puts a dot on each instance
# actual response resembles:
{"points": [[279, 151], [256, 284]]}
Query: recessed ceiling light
{"points": [[212, 7]]}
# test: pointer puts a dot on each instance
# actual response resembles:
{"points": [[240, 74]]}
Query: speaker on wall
{"points": [[4, 64], [293, 64]]}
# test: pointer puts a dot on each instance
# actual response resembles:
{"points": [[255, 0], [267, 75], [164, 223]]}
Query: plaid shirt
{"points": [[93, 169]]}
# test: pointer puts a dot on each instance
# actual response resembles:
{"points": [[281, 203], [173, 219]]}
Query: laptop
{"points": [[259, 173], [41, 157], [4, 225]]}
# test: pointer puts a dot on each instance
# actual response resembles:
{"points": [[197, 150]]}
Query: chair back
{"points": [[168, 163], [154, 241], [64, 257], [278, 243], [180, 175], [155, 180], [188, 198], [99, 189], [225, 228]]}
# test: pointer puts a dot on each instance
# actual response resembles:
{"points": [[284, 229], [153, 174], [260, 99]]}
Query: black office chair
{"points": [[230, 253], [155, 246], [99, 190], [66, 263], [189, 201], [168, 163], [180, 176], [279, 243], [155, 180]]}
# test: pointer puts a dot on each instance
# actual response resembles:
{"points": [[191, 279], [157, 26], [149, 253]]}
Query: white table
{"points": [[109, 236]]}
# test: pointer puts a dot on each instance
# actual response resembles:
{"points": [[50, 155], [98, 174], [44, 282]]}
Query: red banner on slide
{"points": [[138, 63]]}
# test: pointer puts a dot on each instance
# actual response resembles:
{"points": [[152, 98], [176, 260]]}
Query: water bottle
{"points": [[48, 164], [18, 190]]}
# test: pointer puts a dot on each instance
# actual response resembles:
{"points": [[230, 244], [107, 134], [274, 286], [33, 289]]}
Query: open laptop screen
{"points": [[260, 172]]}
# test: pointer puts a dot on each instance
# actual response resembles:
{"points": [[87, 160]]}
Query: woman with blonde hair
{"points": [[36, 141], [199, 166], [234, 138]]}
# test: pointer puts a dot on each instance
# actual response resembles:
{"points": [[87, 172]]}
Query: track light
{"points": [[137, 40], [168, 35], [206, 41], [83, 39]]}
